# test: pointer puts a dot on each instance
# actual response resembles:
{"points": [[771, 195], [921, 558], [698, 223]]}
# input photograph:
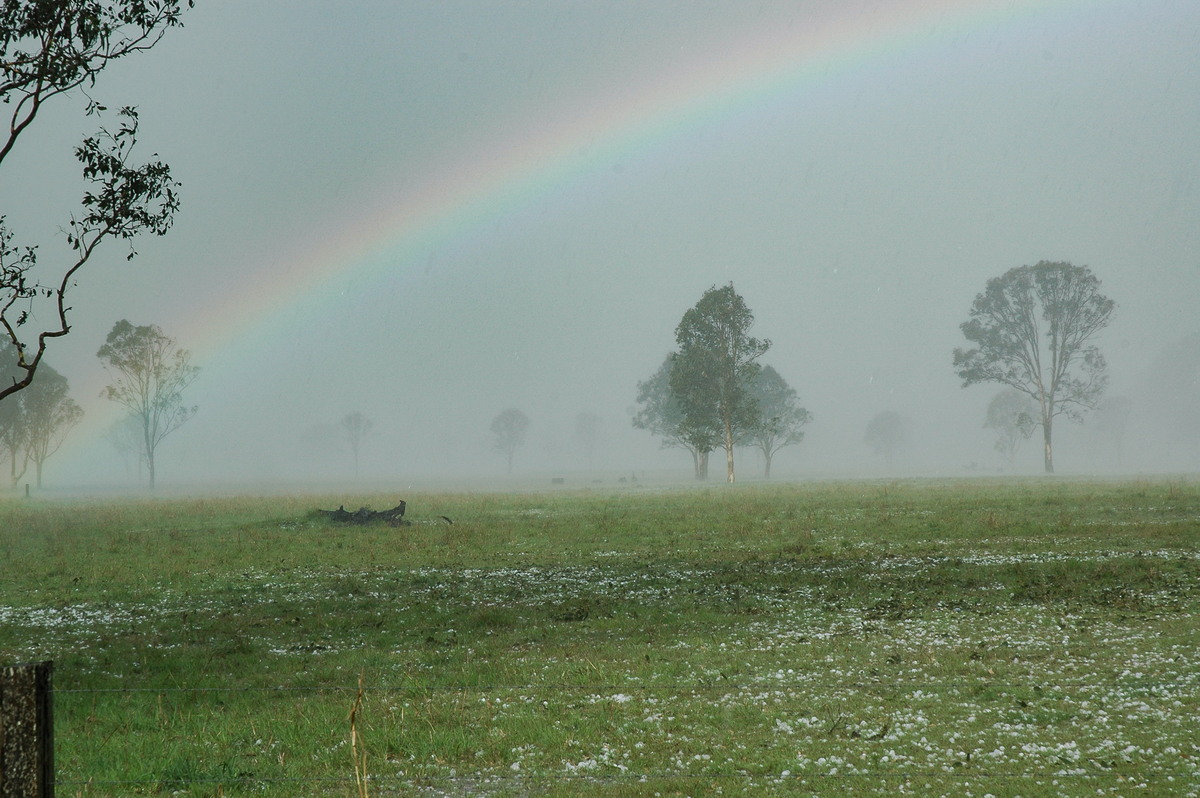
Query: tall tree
{"points": [[1033, 329], [715, 364], [48, 414], [54, 47], [356, 428], [661, 414], [508, 430], [780, 416], [150, 374], [1013, 415], [887, 434]]}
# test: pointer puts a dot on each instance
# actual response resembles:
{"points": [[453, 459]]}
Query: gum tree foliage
{"points": [[356, 428], [1033, 329], [661, 414], [49, 413], [54, 47], [150, 374], [780, 417], [35, 422], [715, 365], [1013, 415], [887, 434], [508, 431]]}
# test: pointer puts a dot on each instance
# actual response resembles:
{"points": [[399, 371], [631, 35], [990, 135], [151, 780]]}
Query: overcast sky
{"points": [[430, 212]]}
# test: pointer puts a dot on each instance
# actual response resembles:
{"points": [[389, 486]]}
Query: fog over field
{"points": [[432, 212]]}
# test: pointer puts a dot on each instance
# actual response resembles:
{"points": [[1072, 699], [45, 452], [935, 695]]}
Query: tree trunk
{"points": [[701, 461], [1047, 422], [729, 449], [766, 465]]}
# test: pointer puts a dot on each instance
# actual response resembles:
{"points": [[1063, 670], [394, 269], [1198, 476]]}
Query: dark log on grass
{"points": [[365, 515]]}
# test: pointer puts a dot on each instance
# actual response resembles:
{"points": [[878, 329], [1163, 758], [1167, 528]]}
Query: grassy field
{"points": [[959, 638]]}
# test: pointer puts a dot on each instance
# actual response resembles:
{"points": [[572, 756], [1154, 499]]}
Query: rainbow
{"points": [[561, 154], [395, 232]]}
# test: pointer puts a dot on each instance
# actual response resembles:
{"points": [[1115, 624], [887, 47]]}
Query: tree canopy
{"points": [[35, 422], [660, 413], [780, 418], [715, 365], [1033, 329], [49, 48]]}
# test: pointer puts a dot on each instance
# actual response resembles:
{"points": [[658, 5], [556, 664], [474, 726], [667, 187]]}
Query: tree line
{"points": [[1032, 330], [149, 373]]}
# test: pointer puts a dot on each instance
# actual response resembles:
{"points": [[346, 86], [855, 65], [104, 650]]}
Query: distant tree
{"points": [[509, 430], [715, 365], [1112, 420], [887, 434], [588, 429], [356, 428], [53, 47], [150, 373], [661, 414], [48, 414], [1013, 415], [1033, 328], [780, 417]]}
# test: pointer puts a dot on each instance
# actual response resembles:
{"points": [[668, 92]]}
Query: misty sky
{"points": [[858, 207]]}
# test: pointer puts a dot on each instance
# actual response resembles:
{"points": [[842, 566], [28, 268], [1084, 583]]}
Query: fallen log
{"points": [[365, 515]]}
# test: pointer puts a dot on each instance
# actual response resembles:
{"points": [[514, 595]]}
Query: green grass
{"points": [[950, 638]]}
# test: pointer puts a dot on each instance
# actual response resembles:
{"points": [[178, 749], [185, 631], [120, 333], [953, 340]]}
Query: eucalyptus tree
{"points": [[59, 47], [150, 373], [1034, 329], [780, 418], [48, 413], [715, 365], [661, 414], [508, 433]]}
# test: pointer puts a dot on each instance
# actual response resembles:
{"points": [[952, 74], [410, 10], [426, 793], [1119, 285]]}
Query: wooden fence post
{"points": [[26, 731]]}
